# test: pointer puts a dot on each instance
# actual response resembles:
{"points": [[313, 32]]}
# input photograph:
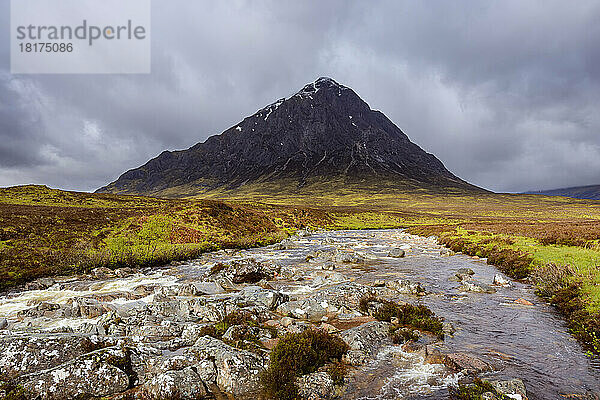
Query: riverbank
{"points": [[562, 262]]}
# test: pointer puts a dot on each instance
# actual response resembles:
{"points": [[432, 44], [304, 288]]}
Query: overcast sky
{"points": [[505, 93]]}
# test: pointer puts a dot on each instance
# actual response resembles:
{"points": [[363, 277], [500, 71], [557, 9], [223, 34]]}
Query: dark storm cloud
{"points": [[504, 93]]}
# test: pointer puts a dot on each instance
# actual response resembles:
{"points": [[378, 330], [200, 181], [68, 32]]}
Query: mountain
{"points": [[325, 132], [591, 192]]}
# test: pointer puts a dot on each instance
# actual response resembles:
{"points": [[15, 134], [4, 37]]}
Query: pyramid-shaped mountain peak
{"points": [[323, 132]]}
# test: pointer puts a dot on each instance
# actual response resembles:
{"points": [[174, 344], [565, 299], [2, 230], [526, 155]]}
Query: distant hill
{"points": [[591, 192], [322, 134]]}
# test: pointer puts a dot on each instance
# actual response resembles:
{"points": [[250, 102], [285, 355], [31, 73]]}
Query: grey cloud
{"points": [[504, 93]]}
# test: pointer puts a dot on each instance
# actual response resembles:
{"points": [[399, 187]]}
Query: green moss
{"points": [[298, 354]]}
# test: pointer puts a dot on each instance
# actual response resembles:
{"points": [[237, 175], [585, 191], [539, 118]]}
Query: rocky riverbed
{"points": [[205, 328]]}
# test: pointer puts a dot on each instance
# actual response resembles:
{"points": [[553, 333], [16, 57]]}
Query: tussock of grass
{"points": [[12, 391], [298, 354], [408, 316], [475, 390]]}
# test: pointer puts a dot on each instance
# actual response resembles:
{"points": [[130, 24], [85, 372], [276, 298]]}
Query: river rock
{"points": [[286, 244], [43, 309], [476, 287], [244, 271], [240, 332], [501, 280], [87, 308], [201, 289], [514, 388], [396, 252], [3, 323], [347, 256], [84, 378], [30, 354], [155, 333], [237, 370], [103, 273], [316, 386], [40, 284], [255, 295], [326, 277], [524, 302], [365, 340], [465, 362], [191, 309], [404, 286], [464, 273], [184, 384], [328, 266], [310, 309], [346, 294]]}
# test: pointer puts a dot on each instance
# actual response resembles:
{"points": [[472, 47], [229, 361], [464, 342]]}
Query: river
{"points": [[510, 329]]}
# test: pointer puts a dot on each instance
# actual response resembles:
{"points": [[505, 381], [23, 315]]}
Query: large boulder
{"points": [[316, 386], [514, 388], [366, 340], [405, 286], [20, 355], [181, 384], [87, 377], [466, 363], [237, 371], [255, 295], [243, 271]]}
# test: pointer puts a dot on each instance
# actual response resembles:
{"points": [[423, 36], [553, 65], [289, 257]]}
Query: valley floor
{"points": [[553, 242]]}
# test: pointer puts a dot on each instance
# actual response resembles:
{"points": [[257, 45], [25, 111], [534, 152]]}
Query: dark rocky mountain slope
{"points": [[323, 132]]}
